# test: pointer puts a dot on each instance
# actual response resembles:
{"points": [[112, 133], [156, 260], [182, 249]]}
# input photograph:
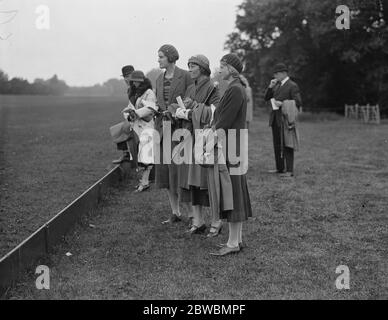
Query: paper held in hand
{"points": [[180, 102], [273, 104]]}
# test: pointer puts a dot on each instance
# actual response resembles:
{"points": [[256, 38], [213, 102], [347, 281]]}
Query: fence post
{"points": [[377, 114], [367, 113], [356, 110]]}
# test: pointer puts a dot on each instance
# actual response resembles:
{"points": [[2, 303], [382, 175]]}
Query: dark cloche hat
{"points": [[233, 60], [127, 70], [202, 61], [137, 75]]}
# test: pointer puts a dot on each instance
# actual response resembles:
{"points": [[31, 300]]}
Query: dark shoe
{"points": [[214, 231], [173, 219], [242, 245], [225, 251], [287, 175], [190, 223], [197, 230], [123, 158]]}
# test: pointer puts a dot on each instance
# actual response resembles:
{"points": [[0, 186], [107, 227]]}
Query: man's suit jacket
{"points": [[288, 91]]}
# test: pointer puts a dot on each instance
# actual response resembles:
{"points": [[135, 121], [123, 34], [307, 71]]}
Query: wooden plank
{"points": [[22, 257], [51, 233]]}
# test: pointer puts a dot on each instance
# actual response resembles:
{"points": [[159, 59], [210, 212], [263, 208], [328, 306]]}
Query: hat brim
{"points": [[136, 79], [280, 70]]}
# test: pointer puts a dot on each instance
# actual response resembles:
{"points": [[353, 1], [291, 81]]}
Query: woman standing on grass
{"points": [[197, 113], [141, 115], [231, 114], [173, 82]]}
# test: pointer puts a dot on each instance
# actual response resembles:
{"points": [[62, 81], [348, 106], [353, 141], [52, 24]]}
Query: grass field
{"points": [[333, 213], [51, 149]]}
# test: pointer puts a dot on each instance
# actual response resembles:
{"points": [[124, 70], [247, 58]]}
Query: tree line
{"points": [[55, 86], [332, 67], [52, 86]]}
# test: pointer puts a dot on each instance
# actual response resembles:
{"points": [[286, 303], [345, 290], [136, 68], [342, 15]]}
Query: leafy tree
{"points": [[332, 66]]}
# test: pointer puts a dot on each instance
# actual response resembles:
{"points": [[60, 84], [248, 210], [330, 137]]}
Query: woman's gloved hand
{"points": [[172, 108], [189, 103], [182, 114], [130, 115]]}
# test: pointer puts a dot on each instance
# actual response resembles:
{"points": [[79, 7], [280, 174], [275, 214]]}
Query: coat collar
{"points": [[178, 74], [284, 81], [234, 82]]}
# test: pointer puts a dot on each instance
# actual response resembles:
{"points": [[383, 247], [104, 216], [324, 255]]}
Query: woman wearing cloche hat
{"points": [[141, 116], [172, 83], [199, 99], [231, 115]]}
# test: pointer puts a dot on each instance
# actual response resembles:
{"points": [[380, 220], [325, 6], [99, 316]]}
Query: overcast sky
{"points": [[90, 40]]}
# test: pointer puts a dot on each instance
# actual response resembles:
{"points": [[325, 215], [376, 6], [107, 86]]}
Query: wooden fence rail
{"points": [[40, 243], [367, 114]]}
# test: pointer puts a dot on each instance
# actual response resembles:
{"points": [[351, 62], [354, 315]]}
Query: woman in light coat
{"points": [[141, 116]]}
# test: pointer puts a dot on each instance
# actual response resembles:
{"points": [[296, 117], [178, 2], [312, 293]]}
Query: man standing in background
{"points": [[281, 88]]}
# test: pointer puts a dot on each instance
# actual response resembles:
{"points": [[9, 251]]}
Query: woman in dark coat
{"points": [[196, 115], [169, 85], [231, 114]]}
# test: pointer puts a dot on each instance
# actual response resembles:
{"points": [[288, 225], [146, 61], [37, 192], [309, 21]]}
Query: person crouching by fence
{"points": [[195, 115], [141, 116], [230, 116], [282, 119], [124, 145]]}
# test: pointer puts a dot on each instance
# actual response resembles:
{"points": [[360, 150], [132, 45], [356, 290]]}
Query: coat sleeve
{"points": [[229, 109], [203, 113], [207, 110], [295, 95], [268, 94], [149, 103]]}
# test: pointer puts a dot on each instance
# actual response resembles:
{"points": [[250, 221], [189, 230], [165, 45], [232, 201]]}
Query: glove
{"points": [[172, 108], [189, 103], [130, 115], [182, 113]]}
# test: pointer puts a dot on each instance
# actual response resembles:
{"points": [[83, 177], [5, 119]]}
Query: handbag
{"points": [[120, 132]]}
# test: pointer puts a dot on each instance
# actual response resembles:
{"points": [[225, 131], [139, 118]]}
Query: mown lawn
{"points": [[333, 213], [51, 150]]}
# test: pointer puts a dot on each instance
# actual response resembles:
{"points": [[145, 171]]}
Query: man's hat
{"points": [[280, 67], [127, 70]]}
